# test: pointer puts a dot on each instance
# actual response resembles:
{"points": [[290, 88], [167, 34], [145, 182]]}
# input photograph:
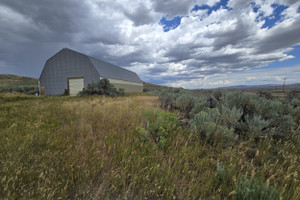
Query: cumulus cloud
{"points": [[248, 77], [205, 44]]}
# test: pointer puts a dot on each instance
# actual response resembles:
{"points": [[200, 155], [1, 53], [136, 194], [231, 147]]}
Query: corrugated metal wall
{"points": [[66, 64]]}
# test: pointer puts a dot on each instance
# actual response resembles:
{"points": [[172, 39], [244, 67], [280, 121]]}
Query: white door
{"points": [[75, 85]]}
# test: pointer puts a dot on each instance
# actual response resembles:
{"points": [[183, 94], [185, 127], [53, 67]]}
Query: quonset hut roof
{"points": [[108, 70]]}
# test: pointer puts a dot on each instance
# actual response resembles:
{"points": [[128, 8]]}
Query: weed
{"points": [[248, 189]]}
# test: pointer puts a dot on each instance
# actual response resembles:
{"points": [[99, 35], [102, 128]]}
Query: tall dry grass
{"points": [[86, 148]]}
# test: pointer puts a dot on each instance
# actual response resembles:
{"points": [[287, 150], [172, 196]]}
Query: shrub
{"points": [[207, 126], [168, 100], [285, 109], [163, 126], [236, 112], [103, 87], [255, 124], [265, 94], [295, 103], [296, 115], [229, 117], [293, 94], [217, 94], [224, 173], [159, 127], [121, 91], [167, 121], [32, 90], [199, 105], [240, 101], [282, 125], [90, 90], [149, 115], [250, 189], [224, 179], [267, 108], [112, 91], [24, 90], [185, 103], [142, 134]]}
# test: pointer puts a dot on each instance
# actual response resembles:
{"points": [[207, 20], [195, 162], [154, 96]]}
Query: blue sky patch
{"points": [[170, 24], [254, 7], [215, 7], [298, 10], [276, 16]]}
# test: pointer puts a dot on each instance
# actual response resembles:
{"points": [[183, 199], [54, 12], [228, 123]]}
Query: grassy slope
{"points": [[85, 148], [10, 81], [151, 87]]}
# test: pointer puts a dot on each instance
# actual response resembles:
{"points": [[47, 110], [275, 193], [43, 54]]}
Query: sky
{"points": [[181, 43]]}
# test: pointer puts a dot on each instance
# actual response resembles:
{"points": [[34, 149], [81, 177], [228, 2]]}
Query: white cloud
{"points": [[129, 34], [249, 77]]}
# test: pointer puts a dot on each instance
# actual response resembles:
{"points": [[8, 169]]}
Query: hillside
{"points": [[12, 81], [151, 87], [266, 86]]}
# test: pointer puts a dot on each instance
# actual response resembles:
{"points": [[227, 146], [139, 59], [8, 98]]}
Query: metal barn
{"points": [[72, 71]]}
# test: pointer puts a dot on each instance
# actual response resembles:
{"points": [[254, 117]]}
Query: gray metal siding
{"points": [[66, 64], [108, 70]]}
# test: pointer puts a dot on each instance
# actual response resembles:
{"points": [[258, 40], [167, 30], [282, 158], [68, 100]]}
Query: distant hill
{"points": [[13, 81], [152, 87], [266, 86]]}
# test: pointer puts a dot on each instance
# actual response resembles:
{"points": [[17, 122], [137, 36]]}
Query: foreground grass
{"points": [[86, 148]]}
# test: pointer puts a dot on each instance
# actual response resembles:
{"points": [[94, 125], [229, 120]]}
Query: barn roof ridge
{"points": [[109, 70]]}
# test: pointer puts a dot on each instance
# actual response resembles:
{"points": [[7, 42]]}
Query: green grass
{"points": [[89, 148], [12, 81], [152, 87]]}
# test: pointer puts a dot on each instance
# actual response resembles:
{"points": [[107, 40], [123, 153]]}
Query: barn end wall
{"points": [[66, 64], [128, 86]]}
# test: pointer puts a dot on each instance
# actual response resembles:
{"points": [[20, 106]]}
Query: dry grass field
{"points": [[99, 148]]}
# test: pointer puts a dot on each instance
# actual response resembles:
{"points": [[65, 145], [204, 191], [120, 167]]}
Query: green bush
{"points": [[240, 101], [168, 121], [159, 127], [143, 135], [207, 126], [224, 179], [200, 104], [282, 125], [168, 100], [121, 91], [255, 124], [229, 117], [296, 115], [249, 115], [265, 94], [217, 94], [225, 174], [250, 189], [24, 90], [185, 103], [293, 94], [103, 87], [295, 102], [266, 108], [90, 90]]}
